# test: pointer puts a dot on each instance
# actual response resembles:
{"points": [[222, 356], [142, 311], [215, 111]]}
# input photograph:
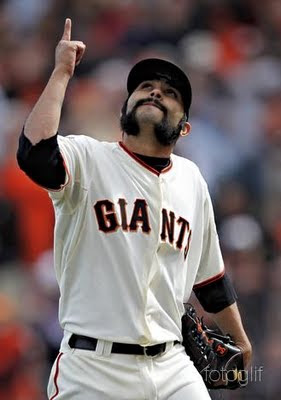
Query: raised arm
{"points": [[38, 153], [43, 121]]}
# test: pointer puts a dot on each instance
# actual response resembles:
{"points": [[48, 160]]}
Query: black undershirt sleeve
{"points": [[217, 295], [43, 162]]}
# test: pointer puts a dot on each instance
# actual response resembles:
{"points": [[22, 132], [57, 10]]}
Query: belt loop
{"points": [[107, 348], [169, 346], [100, 347]]}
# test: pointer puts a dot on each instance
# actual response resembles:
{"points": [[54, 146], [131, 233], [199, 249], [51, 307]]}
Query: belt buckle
{"points": [[151, 354]]}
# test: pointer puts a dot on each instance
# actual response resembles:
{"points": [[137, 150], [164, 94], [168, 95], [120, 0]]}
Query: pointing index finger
{"points": [[67, 30]]}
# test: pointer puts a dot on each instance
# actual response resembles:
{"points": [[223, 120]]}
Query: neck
{"points": [[147, 146]]}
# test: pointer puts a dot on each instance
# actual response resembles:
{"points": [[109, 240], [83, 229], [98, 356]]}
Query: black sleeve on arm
{"points": [[217, 295], [43, 162]]}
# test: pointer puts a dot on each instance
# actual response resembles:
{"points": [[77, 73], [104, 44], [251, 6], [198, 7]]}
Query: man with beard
{"points": [[134, 235]]}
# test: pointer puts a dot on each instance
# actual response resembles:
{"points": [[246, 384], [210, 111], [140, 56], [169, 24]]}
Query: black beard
{"points": [[165, 133]]}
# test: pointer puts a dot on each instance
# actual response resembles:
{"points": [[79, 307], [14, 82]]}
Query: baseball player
{"points": [[134, 235]]}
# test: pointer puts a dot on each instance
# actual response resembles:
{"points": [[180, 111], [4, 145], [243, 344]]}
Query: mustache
{"points": [[153, 101]]}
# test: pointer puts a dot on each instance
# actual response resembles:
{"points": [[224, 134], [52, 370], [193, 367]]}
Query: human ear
{"points": [[186, 128]]}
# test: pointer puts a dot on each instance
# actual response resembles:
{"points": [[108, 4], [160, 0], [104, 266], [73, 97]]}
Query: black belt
{"points": [[87, 343]]}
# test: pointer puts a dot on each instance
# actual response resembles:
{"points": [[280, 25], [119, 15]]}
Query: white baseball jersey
{"points": [[130, 243]]}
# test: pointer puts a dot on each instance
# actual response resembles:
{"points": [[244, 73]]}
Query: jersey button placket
{"points": [[160, 186]]}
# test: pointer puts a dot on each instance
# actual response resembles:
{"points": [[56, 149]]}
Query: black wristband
{"points": [[217, 295]]}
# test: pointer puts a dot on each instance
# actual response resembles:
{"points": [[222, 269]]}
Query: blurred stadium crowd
{"points": [[231, 51]]}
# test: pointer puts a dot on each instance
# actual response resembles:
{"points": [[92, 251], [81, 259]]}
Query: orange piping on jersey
{"points": [[154, 171], [56, 377], [210, 280]]}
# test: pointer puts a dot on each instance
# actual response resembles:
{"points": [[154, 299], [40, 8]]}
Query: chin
{"points": [[149, 115]]}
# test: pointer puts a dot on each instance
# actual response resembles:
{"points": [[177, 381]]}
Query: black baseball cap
{"points": [[156, 68]]}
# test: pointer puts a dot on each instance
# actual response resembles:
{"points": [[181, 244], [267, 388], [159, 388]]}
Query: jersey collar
{"points": [[142, 163]]}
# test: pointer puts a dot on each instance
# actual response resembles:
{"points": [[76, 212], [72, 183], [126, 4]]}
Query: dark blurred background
{"points": [[231, 51]]}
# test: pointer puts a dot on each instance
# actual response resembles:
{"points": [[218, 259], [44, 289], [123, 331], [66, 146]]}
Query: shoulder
{"points": [[187, 170], [84, 143], [184, 161], [187, 166], [77, 139]]}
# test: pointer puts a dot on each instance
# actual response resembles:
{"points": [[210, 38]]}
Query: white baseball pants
{"points": [[101, 375]]}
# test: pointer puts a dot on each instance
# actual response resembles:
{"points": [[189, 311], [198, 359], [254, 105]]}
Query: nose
{"points": [[156, 93]]}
